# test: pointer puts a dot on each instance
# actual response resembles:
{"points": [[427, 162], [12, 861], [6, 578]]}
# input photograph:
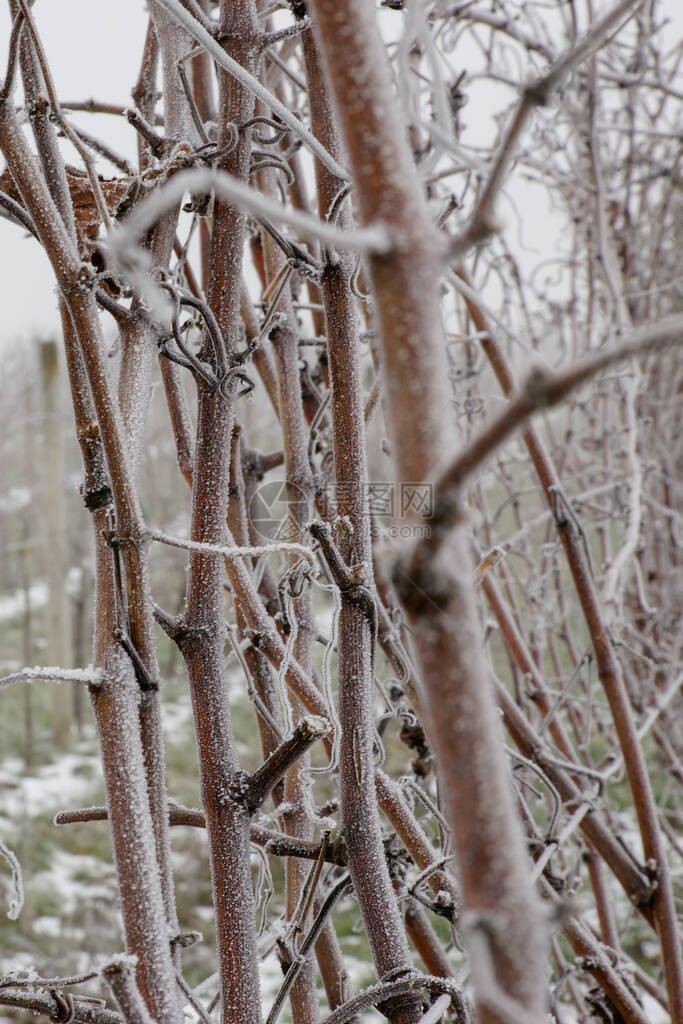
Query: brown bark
{"points": [[203, 646], [407, 653], [145, 927], [357, 632], [502, 922]]}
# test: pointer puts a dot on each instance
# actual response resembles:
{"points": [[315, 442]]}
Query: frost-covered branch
{"points": [[401, 986], [135, 263], [276, 843], [119, 974], [124, 237], [266, 777], [57, 1005]]}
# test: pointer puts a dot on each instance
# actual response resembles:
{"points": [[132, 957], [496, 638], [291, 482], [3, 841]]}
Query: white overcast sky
{"points": [[94, 49]]}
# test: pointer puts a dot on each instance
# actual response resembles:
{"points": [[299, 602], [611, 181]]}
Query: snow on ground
{"points": [[66, 876], [54, 787]]}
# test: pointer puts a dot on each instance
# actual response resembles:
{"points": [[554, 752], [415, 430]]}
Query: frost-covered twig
{"points": [[122, 240], [17, 901], [630, 544], [313, 933], [64, 982], [12, 54], [90, 676], [232, 552], [56, 113], [508, 25], [194, 1002], [411, 982], [276, 843], [17, 213], [554, 844], [662, 702], [60, 1006]]}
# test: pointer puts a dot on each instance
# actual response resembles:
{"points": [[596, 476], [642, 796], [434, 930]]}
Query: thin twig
{"points": [[276, 843], [91, 677], [17, 901], [233, 552]]}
